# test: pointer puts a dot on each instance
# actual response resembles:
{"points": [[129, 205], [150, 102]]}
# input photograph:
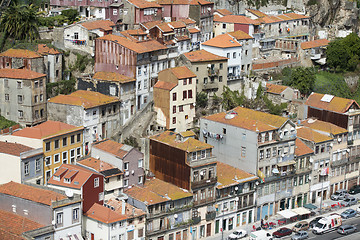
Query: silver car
{"points": [[346, 229], [339, 195], [349, 202], [300, 235]]}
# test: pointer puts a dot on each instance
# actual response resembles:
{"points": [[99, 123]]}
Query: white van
{"points": [[260, 235], [327, 224]]}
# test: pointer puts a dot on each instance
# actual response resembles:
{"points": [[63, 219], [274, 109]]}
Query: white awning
{"points": [[287, 163], [301, 211], [287, 213]]}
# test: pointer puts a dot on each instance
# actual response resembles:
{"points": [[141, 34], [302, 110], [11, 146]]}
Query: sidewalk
{"points": [[249, 227]]}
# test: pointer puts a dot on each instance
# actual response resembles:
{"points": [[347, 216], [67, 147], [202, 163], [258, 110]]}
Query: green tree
{"points": [[302, 79], [201, 99], [231, 99], [71, 14]]}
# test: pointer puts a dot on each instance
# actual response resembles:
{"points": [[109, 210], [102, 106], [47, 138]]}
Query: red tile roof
{"points": [[13, 148], [105, 25], [181, 72], [174, 2], [113, 77], [314, 44], [240, 35], [164, 27], [200, 2], [239, 19], [193, 30], [118, 149], [301, 148], [223, 12], [222, 41], [145, 195], [166, 189], [31, 193], [144, 4], [311, 135], [96, 164], [12, 226], [20, 74], [249, 119], [46, 129], [229, 175], [337, 104], [296, 16], [78, 174], [188, 21], [45, 50], [130, 211], [322, 126], [274, 88], [20, 53], [151, 24], [177, 24], [203, 56], [104, 214], [86, 99], [256, 12], [165, 85]]}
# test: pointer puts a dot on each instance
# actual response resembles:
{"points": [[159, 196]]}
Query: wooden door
{"points": [[92, 237], [208, 230]]}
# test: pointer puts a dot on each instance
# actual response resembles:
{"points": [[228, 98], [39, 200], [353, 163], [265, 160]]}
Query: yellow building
{"points": [[61, 143]]}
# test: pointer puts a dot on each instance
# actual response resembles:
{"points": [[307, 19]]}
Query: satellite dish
{"points": [[175, 216], [69, 193]]}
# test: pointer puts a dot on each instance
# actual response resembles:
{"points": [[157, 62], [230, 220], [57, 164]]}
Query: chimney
{"points": [[123, 207]]}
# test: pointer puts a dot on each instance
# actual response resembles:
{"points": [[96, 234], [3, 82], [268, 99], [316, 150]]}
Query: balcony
{"points": [[315, 56], [203, 183], [339, 162], [210, 216], [211, 85], [232, 77], [200, 162], [213, 72], [196, 220], [356, 126], [354, 158]]}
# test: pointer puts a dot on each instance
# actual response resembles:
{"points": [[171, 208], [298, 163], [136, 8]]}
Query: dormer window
{"points": [[203, 154], [57, 178], [67, 180]]}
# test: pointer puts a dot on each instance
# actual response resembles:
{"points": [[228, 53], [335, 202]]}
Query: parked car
{"points": [[346, 229], [237, 234], [300, 235], [314, 221], [303, 225], [354, 189], [348, 213], [349, 202], [282, 232], [339, 195]]}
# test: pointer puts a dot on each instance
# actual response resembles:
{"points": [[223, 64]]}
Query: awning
{"points": [[301, 211], [287, 163], [275, 171], [310, 206], [287, 213]]}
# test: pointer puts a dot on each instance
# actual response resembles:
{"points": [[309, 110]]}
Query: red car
{"points": [[282, 232]]}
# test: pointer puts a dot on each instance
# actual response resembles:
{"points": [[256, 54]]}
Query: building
{"points": [[24, 96], [188, 163], [259, 143], [61, 143], [53, 62], [175, 98], [210, 70], [113, 176], [235, 198], [110, 221], [280, 93], [139, 60], [127, 159], [218, 13], [23, 163], [232, 23], [22, 59], [315, 50], [61, 215], [79, 180], [167, 207], [99, 114], [113, 84], [81, 36]]}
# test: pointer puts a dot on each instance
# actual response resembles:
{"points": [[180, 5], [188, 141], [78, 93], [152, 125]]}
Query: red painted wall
{"points": [[90, 194], [242, 27]]}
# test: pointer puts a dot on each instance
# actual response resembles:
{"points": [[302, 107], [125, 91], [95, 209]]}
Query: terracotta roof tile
{"points": [[250, 119], [145, 195], [188, 21], [182, 38], [200, 2], [269, 19], [113, 77], [13, 148], [165, 189], [193, 30], [20, 53], [104, 214], [165, 85], [284, 17], [188, 133], [181, 72], [337, 104], [151, 24], [105, 25], [223, 12], [118, 149], [296, 16], [314, 44], [130, 211], [240, 35], [256, 12], [301, 148], [97, 164], [20, 74], [144, 4], [222, 41], [238, 19], [174, 2], [135, 32], [203, 56], [322, 126], [312, 135], [274, 88], [46, 129], [164, 27], [86, 99], [45, 50], [78, 174], [12, 226], [229, 175], [177, 24], [31, 193], [189, 145]]}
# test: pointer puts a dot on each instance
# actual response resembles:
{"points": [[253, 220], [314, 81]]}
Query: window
{"points": [[101, 196], [126, 166], [220, 78], [184, 95], [185, 81], [261, 154], [190, 94], [243, 151], [72, 155], [6, 81], [228, 55], [37, 165], [64, 157], [174, 120], [205, 80], [72, 139], [57, 143], [7, 97], [174, 109], [20, 98], [36, 98], [174, 96], [26, 168], [59, 219], [224, 25], [140, 180], [19, 84], [234, 54], [76, 36], [48, 175], [221, 66], [47, 146], [64, 141], [78, 137], [57, 158], [295, 181], [190, 80], [140, 163], [224, 130], [115, 11], [96, 182], [126, 182]]}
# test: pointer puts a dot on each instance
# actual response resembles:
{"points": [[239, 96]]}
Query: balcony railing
{"points": [[213, 72], [205, 182], [210, 216], [339, 162], [200, 162], [196, 220]]}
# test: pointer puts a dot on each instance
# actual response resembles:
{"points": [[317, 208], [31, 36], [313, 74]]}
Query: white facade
{"points": [[12, 171], [69, 223]]}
